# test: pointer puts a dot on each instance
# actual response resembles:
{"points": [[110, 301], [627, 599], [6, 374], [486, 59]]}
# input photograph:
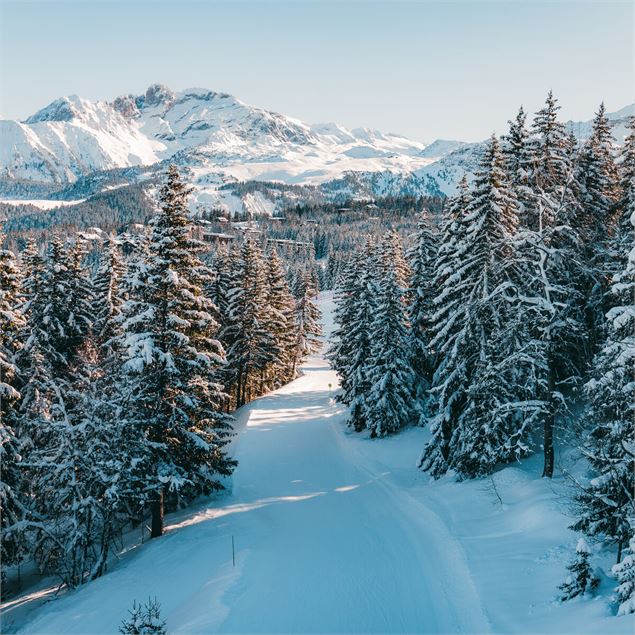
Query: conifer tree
{"points": [[389, 403], [447, 319], [607, 503], [281, 321], [559, 276], [307, 321], [517, 151], [355, 320], [145, 619], [107, 292], [250, 346], [12, 506], [172, 357], [581, 579], [597, 179], [340, 352], [624, 573], [472, 310], [421, 262]]}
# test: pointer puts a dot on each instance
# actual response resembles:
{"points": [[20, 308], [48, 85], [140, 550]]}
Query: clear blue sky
{"points": [[424, 69]]}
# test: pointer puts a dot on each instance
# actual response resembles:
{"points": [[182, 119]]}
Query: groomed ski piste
{"points": [[337, 533]]}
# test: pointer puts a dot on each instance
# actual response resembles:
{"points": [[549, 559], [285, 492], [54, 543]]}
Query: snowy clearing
{"points": [[43, 204]]}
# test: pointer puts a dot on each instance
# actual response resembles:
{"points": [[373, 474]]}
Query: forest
{"points": [[498, 318]]}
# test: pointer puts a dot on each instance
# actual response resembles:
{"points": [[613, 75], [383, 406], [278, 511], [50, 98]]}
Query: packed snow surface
{"points": [[323, 544], [336, 533]]}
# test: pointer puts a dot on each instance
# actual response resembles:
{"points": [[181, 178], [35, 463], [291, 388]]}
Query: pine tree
{"points": [[421, 262], [624, 573], [517, 151], [341, 348], [144, 620], [307, 321], [558, 274], [597, 179], [250, 347], [389, 404], [447, 319], [581, 579], [607, 504], [107, 292], [355, 318], [472, 311], [12, 506], [173, 357], [281, 321]]}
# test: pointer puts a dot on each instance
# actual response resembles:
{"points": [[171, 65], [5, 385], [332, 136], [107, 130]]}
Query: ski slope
{"points": [[323, 543]]}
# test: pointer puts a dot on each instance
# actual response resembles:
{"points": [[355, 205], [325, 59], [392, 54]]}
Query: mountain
{"points": [[75, 148]]}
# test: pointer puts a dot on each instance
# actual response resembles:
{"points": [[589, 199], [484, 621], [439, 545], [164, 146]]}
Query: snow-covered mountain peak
{"points": [[221, 139], [62, 109]]}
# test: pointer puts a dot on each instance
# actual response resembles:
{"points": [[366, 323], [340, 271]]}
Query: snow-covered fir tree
{"points": [[624, 573], [144, 619], [346, 295], [389, 404], [597, 180], [308, 329], [581, 579], [354, 334], [251, 348], [173, 357], [13, 509], [558, 275], [447, 319], [517, 150], [107, 291], [472, 311], [421, 259], [607, 503], [280, 322]]}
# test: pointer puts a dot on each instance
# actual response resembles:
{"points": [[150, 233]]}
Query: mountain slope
{"points": [[219, 140]]}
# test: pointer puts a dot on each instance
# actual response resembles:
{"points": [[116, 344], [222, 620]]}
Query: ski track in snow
{"points": [[324, 544]]}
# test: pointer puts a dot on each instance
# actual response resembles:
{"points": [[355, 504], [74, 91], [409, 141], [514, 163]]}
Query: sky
{"points": [[425, 69]]}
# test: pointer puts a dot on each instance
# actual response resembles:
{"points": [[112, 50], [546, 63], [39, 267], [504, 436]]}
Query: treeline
{"points": [[333, 232], [112, 211], [116, 383], [268, 328], [522, 295]]}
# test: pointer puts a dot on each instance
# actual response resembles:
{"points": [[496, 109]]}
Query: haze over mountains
{"points": [[74, 148]]}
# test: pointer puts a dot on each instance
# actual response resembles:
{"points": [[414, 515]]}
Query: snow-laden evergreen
{"points": [[250, 346], [421, 260], [581, 579], [172, 356], [473, 425], [624, 573], [388, 403], [607, 502], [12, 505], [307, 320], [144, 619], [281, 323]]}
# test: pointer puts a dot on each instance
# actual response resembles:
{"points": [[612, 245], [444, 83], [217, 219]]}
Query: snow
{"points": [[43, 204], [224, 140], [335, 532]]}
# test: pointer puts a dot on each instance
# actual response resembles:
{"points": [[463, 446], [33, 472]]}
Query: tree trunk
{"points": [[548, 428], [619, 552], [157, 515], [239, 387]]}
